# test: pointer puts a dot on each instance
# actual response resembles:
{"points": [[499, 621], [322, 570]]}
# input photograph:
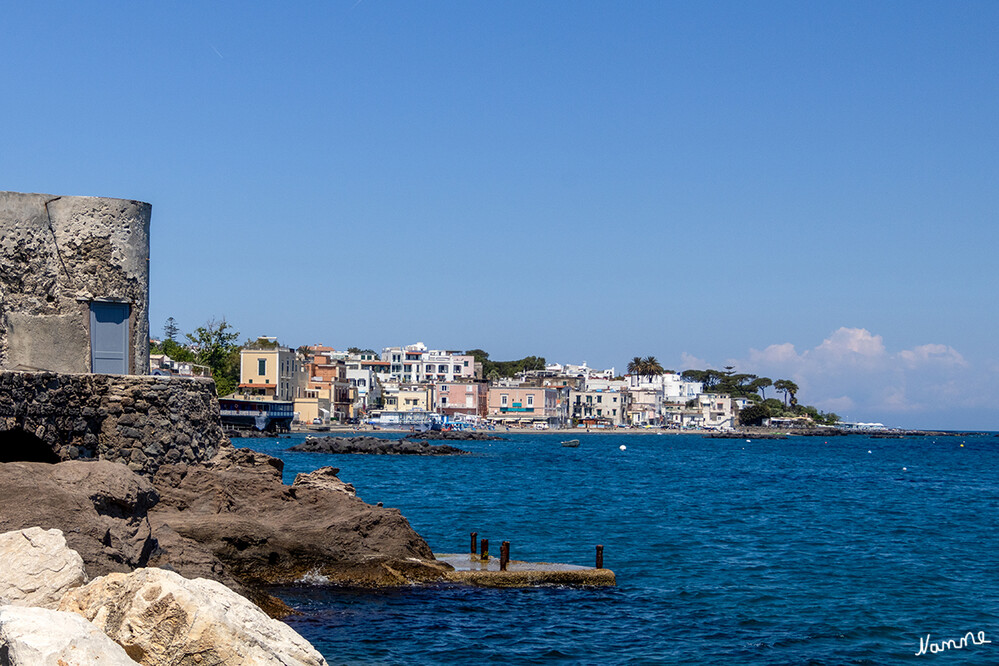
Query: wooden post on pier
{"points": [[484, 544], [600, 557], [475, 546], [504, 555]]}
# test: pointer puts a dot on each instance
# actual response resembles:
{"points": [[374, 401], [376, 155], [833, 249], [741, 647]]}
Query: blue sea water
{"points": [[845, 550]]}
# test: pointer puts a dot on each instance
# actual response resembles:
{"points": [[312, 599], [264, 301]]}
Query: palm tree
{"points": [[651, 367], [636, 366]]}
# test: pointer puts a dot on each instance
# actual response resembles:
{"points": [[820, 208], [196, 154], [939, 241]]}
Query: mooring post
{"points": [[475, 536], [504, 555], [600, 557], [484, 549]]}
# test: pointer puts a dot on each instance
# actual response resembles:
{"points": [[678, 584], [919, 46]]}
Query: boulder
{"points": [[38, 567], [374, 446], [99, 506], [30, 636], [162, 619], [324, 478], [263, 532]]}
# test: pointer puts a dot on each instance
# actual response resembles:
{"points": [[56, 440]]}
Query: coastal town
{"points": [[415, 387]]}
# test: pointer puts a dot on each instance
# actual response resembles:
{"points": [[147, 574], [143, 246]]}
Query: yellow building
{"points": [[268, 373]]}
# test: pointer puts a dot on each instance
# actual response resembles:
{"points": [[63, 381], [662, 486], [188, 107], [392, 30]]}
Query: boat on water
{"points": [[571, 443]]}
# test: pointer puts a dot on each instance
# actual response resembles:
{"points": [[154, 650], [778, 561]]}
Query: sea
{"points": [[840, 550]]}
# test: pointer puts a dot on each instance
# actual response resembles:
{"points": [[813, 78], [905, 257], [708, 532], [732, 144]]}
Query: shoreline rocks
{"points": [[161, 618], [453, 435], [38, 568], [375, 446], [233, 518], [100, 507]]}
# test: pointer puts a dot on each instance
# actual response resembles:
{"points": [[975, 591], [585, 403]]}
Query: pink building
{"points": [[461, 398], [524, 404]]}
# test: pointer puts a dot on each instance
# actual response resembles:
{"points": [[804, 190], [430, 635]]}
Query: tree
{"points": [[215, 346], [788, 388], [353, 350], [651, 367], [170, 329], [760, 384], [636, 366], [753, 415], [304, 353]]}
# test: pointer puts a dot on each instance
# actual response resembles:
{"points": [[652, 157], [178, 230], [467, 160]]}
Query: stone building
{"points": [[74, 287], [74, 341]]}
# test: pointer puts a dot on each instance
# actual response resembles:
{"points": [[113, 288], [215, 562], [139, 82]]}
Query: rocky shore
{"points": [[375, 446], [52, 613], [454, 435]]}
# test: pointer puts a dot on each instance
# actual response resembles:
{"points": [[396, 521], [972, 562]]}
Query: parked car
{"points": [[317, 421]]}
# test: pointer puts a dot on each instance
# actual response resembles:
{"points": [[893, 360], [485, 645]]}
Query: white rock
{"points": [[32, 636], [162, 618], [38, 567]]}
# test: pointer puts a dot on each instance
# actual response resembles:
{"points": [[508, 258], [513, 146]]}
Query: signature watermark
{"points": [[933, 647]]}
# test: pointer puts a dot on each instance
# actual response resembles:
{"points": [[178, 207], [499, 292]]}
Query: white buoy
{"points": [[868, 451], [748, 441], [622, 447], [904, 469]]}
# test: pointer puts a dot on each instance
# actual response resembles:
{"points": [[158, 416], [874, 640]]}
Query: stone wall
{"points": [[143, 422], [60, 254]]}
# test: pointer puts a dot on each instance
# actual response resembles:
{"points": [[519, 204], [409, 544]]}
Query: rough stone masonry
{"points": [[65, 262]]}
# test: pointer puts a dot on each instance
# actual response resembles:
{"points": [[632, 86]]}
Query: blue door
{"points": [[109, 338]]}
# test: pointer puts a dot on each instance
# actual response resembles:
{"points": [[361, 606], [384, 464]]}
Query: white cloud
{"points": [[932, 354], [847, 342], [856, 374]]}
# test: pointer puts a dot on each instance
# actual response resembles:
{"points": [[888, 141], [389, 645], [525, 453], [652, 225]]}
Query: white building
{"points": [[416, 363], [675, 389]]}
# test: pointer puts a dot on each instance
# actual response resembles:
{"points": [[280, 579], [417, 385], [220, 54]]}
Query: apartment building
{"points": [[415, 363], [269, 373]]}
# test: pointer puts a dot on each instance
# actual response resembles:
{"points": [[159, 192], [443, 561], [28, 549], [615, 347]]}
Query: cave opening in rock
{"points": [[18, 445]]}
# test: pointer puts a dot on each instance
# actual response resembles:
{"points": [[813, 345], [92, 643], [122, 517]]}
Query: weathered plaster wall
{"points": [[143, 422], [55, 262]]}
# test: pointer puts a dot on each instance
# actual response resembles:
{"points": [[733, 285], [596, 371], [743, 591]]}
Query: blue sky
{"points": [[803, 190]]}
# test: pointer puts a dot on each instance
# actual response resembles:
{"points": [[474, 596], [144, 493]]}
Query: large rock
{"points": [[374, 446], [99, 506], [265, 532], [162, 619], [38, 567], [33, 636]]}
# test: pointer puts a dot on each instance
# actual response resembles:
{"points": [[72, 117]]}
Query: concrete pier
{"points": [[486, 573]]}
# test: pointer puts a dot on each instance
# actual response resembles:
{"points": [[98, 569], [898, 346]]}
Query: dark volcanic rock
{"points": [[742, 435], [100, 507], [453, 435], [374, 446], [233, 515]]}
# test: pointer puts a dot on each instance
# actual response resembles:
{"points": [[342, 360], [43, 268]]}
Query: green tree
{"points": [[353, 350], [651, 367], [170, 329], [789, 389], [215, 345], [753, 415], [760, 384]]}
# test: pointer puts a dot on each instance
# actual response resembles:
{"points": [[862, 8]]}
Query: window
{"points": [[530, 401], [261, 366], [444, 401], [441, 369], [600, 398], [443, 388], [504, 398], [457, 369]]}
